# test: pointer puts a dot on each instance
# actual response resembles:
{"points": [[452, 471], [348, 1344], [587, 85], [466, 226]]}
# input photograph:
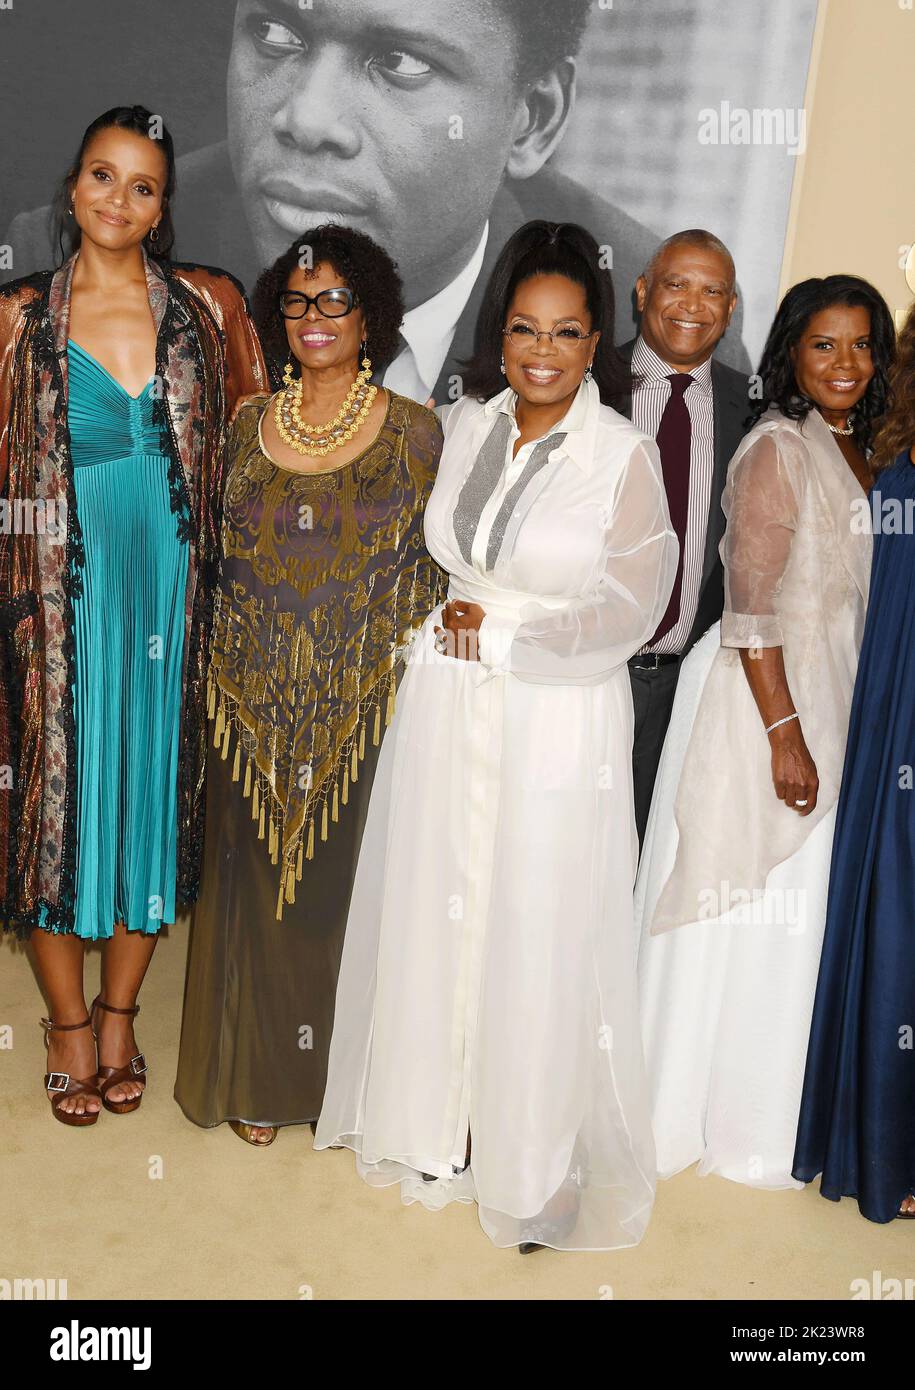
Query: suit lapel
{"points": [[727, 432], [505, 217], [728, 406]]}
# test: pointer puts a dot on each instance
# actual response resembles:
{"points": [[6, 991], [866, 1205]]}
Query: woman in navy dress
{"points": [[857, 1118]]}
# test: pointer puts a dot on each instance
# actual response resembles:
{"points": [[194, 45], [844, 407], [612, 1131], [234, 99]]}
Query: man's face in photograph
{"points": [[400, 118]]}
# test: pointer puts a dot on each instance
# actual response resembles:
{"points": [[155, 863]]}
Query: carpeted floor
{"points": [[148, 1206]]}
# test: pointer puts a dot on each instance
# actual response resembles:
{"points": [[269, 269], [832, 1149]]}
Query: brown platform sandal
{"points": [[109, 1077], [59, 1084]]}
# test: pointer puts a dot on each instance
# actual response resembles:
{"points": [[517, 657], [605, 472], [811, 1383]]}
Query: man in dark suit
{"points": [[428, 124], [696, 408]]}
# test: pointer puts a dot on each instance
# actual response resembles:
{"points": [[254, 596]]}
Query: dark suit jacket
{"points": [[730, 395], [213, 230]]}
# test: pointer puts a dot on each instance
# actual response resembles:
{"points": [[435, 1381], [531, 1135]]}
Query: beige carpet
{"points": [[225, 1221]]}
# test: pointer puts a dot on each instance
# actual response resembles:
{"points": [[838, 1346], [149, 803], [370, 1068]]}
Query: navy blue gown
{"points": [[857, 1117]]}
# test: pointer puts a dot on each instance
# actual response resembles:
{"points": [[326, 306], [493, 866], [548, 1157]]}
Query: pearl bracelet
{"points": [[787, 720]]}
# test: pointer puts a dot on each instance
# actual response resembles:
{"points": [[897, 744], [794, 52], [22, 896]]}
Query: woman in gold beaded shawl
{"points": [[324, 575]]}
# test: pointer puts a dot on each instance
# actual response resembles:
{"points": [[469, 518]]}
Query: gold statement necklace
{"points": [[321, 440]]}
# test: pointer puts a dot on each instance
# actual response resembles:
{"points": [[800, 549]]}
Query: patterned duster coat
{"points": [[207, 355]]}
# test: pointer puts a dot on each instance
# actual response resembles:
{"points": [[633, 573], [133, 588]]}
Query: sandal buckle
{"points": [[62, 1079], [138, 1064]]}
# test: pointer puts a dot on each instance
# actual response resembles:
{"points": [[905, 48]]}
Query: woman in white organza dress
{"points": [[486, 1043], [731, 892]]}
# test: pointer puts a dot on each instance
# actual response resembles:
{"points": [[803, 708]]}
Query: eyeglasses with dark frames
{"points": [[332, 304]]}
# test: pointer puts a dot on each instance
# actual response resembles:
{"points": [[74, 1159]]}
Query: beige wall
{"points": [[853, 200]]}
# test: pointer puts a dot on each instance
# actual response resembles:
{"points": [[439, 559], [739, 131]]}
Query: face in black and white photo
{"points": [[397, 119], [438, 127], [424, 123]]}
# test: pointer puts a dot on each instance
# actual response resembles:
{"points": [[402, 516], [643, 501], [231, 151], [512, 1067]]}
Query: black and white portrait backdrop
{"points": [[437, 126]]}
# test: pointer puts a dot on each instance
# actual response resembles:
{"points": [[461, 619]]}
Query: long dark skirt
{"points": [[259, 997], [857, 1116]]}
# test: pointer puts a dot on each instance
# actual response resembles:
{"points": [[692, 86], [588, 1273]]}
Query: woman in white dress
{"points": [[731, 892], [486, 1043]]}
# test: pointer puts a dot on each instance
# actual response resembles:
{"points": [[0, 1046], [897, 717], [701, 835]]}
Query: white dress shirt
{"points": [[574, 419], [649, 400], [429, 331], [587, 556]]}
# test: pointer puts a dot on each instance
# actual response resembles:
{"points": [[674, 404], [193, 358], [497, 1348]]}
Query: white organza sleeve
{"points": [[591, 638], [761, 503]]}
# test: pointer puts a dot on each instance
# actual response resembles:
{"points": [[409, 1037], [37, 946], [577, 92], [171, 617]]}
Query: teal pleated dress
{"points": [[129, 641]]}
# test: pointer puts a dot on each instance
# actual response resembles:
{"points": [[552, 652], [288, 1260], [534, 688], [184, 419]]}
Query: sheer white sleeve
{"points": [[761, 502], [591, 638]]}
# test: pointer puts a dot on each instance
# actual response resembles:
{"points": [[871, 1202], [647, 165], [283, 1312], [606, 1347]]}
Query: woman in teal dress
{"points": [[118, 373], [129, 638]]}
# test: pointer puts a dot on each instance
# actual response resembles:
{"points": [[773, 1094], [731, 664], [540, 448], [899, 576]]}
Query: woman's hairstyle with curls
{"points": [[547, 248], [897, 428], [776, 369], [65, 232], [363, 267]]}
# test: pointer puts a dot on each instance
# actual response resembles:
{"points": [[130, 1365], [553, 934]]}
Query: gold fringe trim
{"points": [[265, 810]]}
